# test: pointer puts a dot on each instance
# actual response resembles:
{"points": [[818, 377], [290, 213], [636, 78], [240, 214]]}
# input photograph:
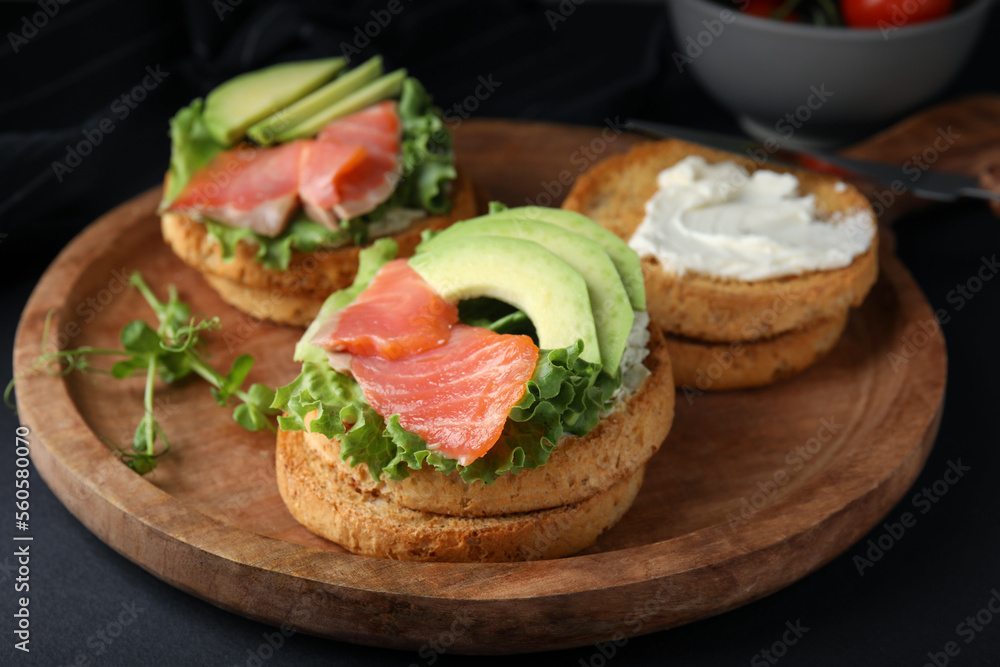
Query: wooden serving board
{"points": [[847, 438]]}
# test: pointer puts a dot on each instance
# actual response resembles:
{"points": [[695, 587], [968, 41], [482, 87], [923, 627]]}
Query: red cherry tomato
{"points": [[879, 13]]}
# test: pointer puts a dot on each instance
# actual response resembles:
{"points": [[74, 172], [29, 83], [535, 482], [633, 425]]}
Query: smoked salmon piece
{"points": [[383, 116], [397, 315], [322, 169], [375, 128], [365, 187], [254, 188], [456, 396], [345, 192], [347, 171]]}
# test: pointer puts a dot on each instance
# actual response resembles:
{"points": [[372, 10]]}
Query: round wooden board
{"points": [[846, 438]]}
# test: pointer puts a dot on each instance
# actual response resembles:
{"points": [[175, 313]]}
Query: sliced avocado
{"points": [[625, 259], [519, 272], [609, 302], [242, 101], [266, 131], [382, 88]]}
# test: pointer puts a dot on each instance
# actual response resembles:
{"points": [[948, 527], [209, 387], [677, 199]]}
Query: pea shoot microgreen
{"points": [[170, 351]]}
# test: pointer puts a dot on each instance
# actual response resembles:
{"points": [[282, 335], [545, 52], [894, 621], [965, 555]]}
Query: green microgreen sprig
{"points": [[170, 351]]}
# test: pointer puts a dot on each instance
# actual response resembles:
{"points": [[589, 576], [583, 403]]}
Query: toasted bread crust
{"points": [[310, 277], [273, 304], [614, 194], [372, 525], [706, 366], [577, 469]]}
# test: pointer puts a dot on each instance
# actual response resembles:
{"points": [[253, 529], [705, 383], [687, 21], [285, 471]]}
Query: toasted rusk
{"points": [[706, 366]]}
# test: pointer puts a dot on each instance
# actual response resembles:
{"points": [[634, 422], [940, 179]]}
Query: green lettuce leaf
{"points": [[495, 315], [192, 147], [428, 160], [276, 253], [566, 388], [428, 169]]}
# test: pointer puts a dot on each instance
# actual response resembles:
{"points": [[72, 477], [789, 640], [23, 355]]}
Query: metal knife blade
{"points": [[927, 184]]}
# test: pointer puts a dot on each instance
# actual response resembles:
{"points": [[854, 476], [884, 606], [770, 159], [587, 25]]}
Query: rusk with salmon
{"points": [[280, 176], [493, 398]]}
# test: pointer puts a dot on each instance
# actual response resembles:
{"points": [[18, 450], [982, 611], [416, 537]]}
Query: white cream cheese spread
{"points": [[636, 350], [718, 219]]}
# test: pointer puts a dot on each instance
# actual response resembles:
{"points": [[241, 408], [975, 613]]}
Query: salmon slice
{"points": [[322, 164], [360, 186], [397, 315], [373, 139], [343, 181], [352, 168], [456, 396], [365, 187], [382, 117], [254, 188]]}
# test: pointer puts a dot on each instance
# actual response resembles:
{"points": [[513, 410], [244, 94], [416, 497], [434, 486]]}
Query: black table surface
{"points": [[930, 592]]}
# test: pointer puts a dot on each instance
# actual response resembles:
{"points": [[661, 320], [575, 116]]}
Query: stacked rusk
{"points": [[725, 332], [585, 488]]}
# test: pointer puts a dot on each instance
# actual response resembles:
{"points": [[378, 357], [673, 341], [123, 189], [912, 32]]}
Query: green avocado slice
{"points": [[267, 131], [625, 259], [382, 88], [519, 272], [243, 100], [609, 302]]}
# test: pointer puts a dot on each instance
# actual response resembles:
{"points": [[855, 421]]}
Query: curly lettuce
{"points": [[302, 234], [428, 168], [565, 395], [191, 148]]}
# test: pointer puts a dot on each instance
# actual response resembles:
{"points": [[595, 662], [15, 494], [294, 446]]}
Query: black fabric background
{"points": [[605, 60]]}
